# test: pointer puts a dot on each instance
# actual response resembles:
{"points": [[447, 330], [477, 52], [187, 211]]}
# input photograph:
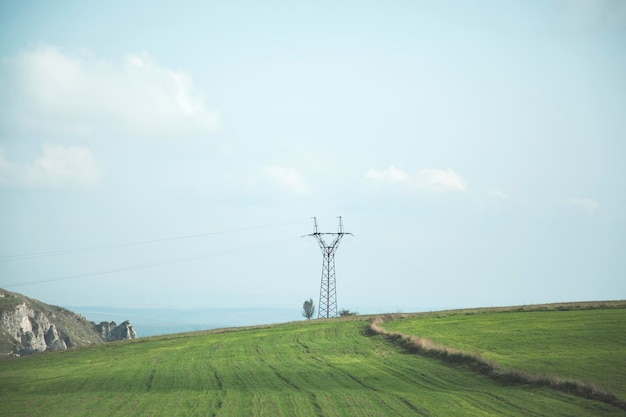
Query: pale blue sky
{"points": [[475, 149]]}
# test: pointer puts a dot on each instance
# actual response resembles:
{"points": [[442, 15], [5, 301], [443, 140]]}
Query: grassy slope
{"points": [[329, 368], [586, 345]]}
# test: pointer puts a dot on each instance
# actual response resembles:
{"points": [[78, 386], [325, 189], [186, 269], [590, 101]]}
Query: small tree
{"points": [[308, 309]]}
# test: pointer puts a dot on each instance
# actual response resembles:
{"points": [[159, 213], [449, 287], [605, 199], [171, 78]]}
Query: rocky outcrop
{"points": [[29, 329], [54, 340], [111, 331], [30, 326]]}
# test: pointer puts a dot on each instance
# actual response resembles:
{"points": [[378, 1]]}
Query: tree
{"points": [[308, 309]]}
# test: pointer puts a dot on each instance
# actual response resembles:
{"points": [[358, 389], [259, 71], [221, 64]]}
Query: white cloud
{"points": [[287, 179], [587, 205], [439, 180], [390, 175], [500, 195], [58, 166], [425, 179], [79, 94]]}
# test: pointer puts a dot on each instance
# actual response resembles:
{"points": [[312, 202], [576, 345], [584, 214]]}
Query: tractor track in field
{"points": [[453, 356], [325, 368]]}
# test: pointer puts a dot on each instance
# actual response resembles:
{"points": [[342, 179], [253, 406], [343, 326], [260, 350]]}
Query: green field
{"points": [[319, 368], [584, 345]]}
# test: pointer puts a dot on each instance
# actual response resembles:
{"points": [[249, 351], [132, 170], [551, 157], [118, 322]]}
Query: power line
{"points": [[251, 248], [32, 255]]}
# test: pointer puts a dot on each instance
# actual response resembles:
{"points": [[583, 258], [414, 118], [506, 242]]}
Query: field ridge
{"points": [[425, 347]]}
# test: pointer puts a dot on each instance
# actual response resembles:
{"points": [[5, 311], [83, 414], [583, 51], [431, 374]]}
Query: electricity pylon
{"points": [[328, 288]]}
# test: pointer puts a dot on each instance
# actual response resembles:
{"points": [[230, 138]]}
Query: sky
{"points": [[172, 154]]}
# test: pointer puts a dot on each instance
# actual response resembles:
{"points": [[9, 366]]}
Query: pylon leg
{"points": [[328, 287]]}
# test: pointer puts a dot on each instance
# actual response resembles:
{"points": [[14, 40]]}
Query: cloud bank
{"points": [[58, 166], [438, 180], [78, 94]]}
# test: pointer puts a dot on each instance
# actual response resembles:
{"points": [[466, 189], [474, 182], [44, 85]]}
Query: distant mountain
{"points": [[31, 326]]}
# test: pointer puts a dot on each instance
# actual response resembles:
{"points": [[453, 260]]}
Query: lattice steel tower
{"points": [[328, 288]]}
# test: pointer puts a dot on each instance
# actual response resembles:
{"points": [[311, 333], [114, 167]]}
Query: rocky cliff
{"points": [[111, 331], [30, 326]]}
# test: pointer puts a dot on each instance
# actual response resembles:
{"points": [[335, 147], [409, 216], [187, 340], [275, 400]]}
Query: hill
{"points": [[30, 326], [541, 341], [333, 367]]}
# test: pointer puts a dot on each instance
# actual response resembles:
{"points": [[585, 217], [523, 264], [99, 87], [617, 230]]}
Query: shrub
{"points": [[345, 312]]}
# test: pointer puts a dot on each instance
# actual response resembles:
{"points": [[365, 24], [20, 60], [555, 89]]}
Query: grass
{"points": [[315, 368], [7, 300], [584, 345]]}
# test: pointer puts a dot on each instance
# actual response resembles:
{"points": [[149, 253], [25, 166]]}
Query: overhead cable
{"points": [[158, 263], [24, 256]]}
